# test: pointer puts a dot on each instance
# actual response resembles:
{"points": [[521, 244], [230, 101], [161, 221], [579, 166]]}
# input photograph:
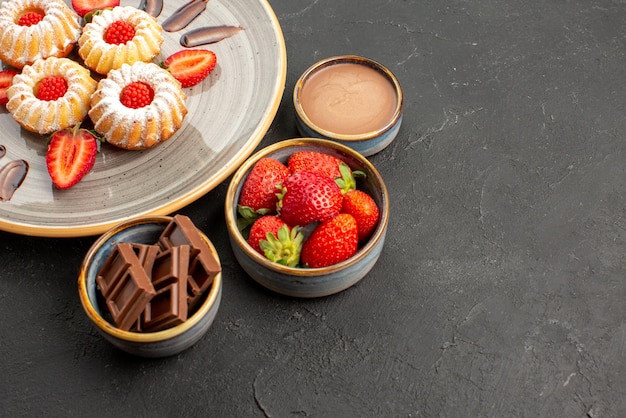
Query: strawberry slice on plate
{"points": [[71, 154], [6, 78], [190, 66], [82, 7]]}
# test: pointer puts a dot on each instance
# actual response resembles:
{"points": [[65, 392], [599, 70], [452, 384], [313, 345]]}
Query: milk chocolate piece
{"points": [[181, 231], [130, 296], [146, 254], [170, 266], [167, 309], [169, 277], [202, 270], [112, 269], [124, 283], [203, 266], [120, 259]]}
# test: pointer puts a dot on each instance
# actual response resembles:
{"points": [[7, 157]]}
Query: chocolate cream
{"points": [[348, 98]]}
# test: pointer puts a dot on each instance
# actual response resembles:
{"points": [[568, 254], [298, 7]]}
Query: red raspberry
{"points": [[51, 88], [136, 95], [30, 18], [119, 32]]}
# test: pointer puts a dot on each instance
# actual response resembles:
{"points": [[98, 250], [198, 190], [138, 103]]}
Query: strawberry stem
{"points": [[347, 181], [247, 217], [285, 248]]}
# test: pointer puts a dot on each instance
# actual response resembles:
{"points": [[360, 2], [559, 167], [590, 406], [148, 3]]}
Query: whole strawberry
{"points": [[309, 197], [332, 242], [71, 154], [273, 238], [268, 224], [260, 188], [315, 162], [364, 210]]}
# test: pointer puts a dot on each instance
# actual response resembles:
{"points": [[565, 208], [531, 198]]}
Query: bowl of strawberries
{"points": [[307, 217]]}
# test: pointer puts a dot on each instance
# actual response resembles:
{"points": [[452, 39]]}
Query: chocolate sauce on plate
{"points": [[11, 177], [184, 15], [208, 35], [152, 7]]}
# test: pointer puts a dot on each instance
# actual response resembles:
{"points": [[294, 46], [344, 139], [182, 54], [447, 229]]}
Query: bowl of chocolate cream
{"points": [[152, 285], [351, 100]]}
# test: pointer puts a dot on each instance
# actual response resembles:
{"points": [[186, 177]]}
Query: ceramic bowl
{"points": [[309, 282], [351, 100], [143, 230]]}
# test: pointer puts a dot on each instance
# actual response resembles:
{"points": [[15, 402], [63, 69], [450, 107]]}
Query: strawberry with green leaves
{"points": [[268, 224], [259, 191], [190, 66], [273, 238], [364, 210], [331, 242], [309, 197], [6, 79], [71, 155]]}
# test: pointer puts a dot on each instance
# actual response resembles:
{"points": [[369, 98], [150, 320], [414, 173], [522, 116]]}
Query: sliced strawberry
{"points": [[190, 66], [6, 78], [82, 7], [71, 154]]}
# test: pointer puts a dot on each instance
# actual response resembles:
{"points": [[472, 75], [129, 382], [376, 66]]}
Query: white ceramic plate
{"points": [[229, 113]]}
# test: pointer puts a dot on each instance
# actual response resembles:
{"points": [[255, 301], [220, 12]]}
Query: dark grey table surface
{"points": [[501, 290]]}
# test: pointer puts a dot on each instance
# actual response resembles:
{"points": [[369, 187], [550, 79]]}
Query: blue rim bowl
{"points": [[143, 230], [368, 143], [308, 282]]}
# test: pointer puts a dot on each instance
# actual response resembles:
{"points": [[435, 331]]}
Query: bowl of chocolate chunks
{"points": [[151, 285]]}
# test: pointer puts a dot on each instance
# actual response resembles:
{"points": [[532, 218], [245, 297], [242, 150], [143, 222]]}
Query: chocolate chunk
{"points": [[119, 261], [202, 270], [181, 231], [169, 277], [167, 309], [125, 284], [130, 296], [114, 267], [170, 266], [146, 254], [203, 266]]}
